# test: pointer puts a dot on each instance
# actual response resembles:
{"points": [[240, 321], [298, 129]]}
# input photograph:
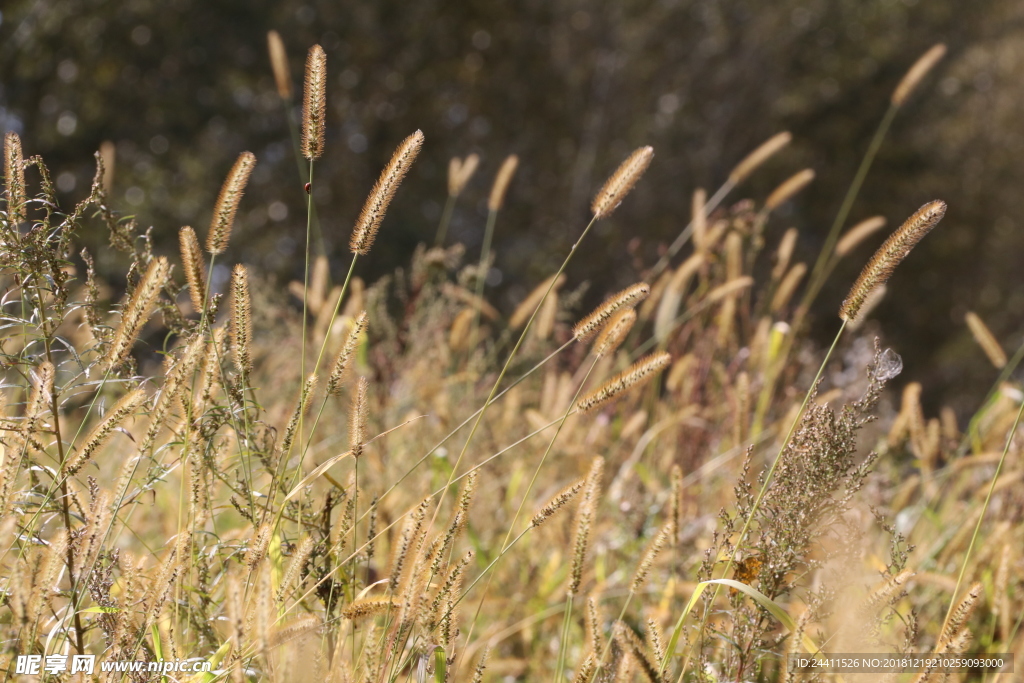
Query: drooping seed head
{"points": [[382, 193], [760, 155], [501, 183], [227, 203], [621, 182], [917, 72], [628, 298], [314, 104], [889, 255], [788, 188], [279, 63]]}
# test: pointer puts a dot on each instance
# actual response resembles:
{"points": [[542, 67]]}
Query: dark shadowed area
{"points": [[181, 87]]}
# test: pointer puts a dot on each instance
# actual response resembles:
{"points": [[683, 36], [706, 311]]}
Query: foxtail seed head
{"points": [[501, 183], [858, 234], [383, 191], [593, 323], [556, 503], [241, 319], [105, 429], [621, 182], [314, 104], [14, 177], [760, 155], [279, 63], [917, 72], [614, 333], [192, 262], [341, 363], [459, 173], [357, 419], [986, 340], [227, 203], [889, 255], [137, 311], [788, 188], [639, 374]]}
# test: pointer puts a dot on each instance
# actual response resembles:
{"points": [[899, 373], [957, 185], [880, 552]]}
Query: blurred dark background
{"points": [[571, 86]]}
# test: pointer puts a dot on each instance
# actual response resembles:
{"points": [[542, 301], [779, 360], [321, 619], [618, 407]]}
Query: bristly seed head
{"points": [[559, 501], [760, 155], [314, 104], [614, 333], [241, 319], [637, 375], [382, 193], [917, 72], [501, 183], [889, 255], [14, 177], [227, 203], [621, 182], [279, 63], [192, 262], [590, 325], [459, 173], [357, 419], [344, 358]]}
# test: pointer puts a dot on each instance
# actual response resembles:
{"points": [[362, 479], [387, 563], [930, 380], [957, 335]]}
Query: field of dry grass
{"points": [[395, 481]]}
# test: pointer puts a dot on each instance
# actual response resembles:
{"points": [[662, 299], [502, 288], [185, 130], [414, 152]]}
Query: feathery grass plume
{"points": [[279, 63], [192, 263], [788, 188], [125, 406], [584, 516], [501, 182], [451, 587], [699, 218], [525, 309], [917, 72], [293, 422], [885, 592], [586, 328], [314, 104], [614, 333], [135, 314], [621, 182], [14, 178], [788, 285], [459, 173], [664, 536], [655, 640], [760, 155], [857, 234], [162, 587], [367, 607], [637, 375], [410, 533], [784, 253], [986, 340], [960, 615], [586, 670], [295, 565], [560, 499], [382, 193], [889, 255], [241, 319], [344, 358], [357, 419], [227, 203], [634, 648]]}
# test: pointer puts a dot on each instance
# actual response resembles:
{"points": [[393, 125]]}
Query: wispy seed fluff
{"points": [[14, 178], [192, 262], [637, 375], [227, 203], [137, 311], [279, 63], [241, 319], [593, 323], [383, 191], [344, 359], [501, 183], [357, 419], [889, 255], [314, 104], [125, 407], [614, 333], [556, 503], [760, 155], [917, 72], [621, 182]]}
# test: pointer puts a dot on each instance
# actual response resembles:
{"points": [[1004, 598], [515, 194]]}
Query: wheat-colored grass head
{"points": [[621, 182], [279, 63], [501, 183], [917, 72], [383, 192], [227, 203], [14, 178], [314, 104]]}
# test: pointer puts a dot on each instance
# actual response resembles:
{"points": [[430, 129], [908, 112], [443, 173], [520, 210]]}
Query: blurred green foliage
{"points": [[571, 86]]}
